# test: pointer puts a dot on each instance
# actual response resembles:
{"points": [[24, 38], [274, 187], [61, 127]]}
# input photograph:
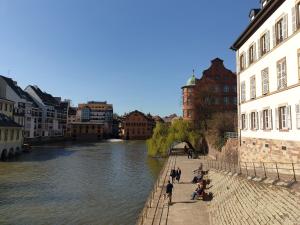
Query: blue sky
{"points": [[136, 54]]}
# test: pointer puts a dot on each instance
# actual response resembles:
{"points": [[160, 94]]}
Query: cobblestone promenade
{"points": [[236, 201]]}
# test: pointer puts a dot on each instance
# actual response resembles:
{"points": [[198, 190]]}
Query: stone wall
{"points": [[229, 152], [266, 150]]}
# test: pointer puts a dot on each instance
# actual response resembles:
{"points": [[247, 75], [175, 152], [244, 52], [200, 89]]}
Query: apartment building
{"points": [[25, 112], [11, 137], [53, 112], [268, 65]]}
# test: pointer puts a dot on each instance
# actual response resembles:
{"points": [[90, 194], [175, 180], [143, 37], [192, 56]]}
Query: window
{"points": [[254, 120], [226, 89], [251, 54], [252, 87], [283, 118], [265, 81], [280, 30], [189, 113], [281, 74], [242, 62], [264, 43], [234, 100], [243, 91], [0, 134], [244, 122], [18, 134], [226, 100], [297, 9], [266, 119], [5, 135], [298, 116], [12, 134]]}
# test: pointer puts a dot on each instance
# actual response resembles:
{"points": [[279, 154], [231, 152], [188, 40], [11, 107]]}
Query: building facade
{"points": [[11, 133], [53, 113], [97, 113], [268, 65], [215, 91], [137, 126], [26, 112]]}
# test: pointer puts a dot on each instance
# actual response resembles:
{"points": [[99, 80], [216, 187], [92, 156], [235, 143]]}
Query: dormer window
{"points": [[264, 3]]}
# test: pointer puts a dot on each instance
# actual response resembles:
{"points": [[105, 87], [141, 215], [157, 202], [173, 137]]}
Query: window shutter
{"points": [[268, 41], [289, 117], [298, 116], [238, 62], [258, 49], [246, 121], [276, 119], [247, 57], [294, 19], [245, 62], [274, 36], [285, 26], [250, 124], [256, 121], [270, 119], [279, 76], [261, 120], [254, 52]]}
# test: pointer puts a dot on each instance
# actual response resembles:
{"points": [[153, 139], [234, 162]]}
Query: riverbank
{"points": [[182, 210], [266, 204]]}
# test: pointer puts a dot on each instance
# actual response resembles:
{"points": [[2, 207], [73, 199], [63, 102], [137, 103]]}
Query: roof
{"points": [[259, 19], [45, 97], [13, 85], [148, 117], [5, 121]]}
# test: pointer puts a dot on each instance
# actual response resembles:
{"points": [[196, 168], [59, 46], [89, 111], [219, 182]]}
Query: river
{"points": [[103, 183]]}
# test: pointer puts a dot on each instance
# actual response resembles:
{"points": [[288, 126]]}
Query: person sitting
{"points": [[198, 192]]}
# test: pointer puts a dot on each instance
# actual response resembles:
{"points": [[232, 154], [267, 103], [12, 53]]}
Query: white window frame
{"points": [[252, 87], [297, 109], [244, 121], [242, 60], [254, 124], [265, 81], [243, 91], [266, 119], [283, 118], [281, 74], [298, 59]]}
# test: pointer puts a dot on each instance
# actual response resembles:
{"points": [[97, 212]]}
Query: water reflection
{"points": [[100, 183]]}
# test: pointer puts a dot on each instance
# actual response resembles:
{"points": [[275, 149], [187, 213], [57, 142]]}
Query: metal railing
{"points": [[228, 135], [289, 172], [144, 214]]}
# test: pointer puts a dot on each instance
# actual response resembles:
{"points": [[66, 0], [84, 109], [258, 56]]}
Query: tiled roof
{"points": [[45, 97], [5, 121]]}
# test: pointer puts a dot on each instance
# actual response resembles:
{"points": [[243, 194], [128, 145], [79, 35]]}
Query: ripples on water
{"points": [[102, 183]]}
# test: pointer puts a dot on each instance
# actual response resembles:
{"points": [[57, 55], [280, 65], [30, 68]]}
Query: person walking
{"points": [[173, 175], [169, 191], [178, 174]]}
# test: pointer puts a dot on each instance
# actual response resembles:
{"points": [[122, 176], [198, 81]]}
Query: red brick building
{"points": [[215, 91], [137, 126]]}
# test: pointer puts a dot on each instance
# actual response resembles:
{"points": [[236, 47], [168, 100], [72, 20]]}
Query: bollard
{"points": [[294, 172], [265, 170], [254, 169], [277, 171]]}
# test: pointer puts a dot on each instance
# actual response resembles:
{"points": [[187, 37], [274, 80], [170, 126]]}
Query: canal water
{"points": [[90, 184]]}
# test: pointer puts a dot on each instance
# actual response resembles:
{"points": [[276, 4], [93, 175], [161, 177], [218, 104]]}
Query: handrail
{"points": [[282, 171]]}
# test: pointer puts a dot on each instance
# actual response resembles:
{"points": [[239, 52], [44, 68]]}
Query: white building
{"points": [[53, 112], [11, 138], [268, 65], [25, 112]]}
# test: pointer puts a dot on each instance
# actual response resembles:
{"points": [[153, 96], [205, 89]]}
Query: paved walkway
{"points": [[182, 210]]}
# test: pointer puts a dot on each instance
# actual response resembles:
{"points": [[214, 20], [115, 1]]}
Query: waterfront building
{"points": [[268, 66], [26, 112], [137, 126], [218, 84], [168, 119], [53, 112], [86, 130], [11, 137], [97, 113]]}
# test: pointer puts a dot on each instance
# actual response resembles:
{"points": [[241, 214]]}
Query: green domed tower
{"points": [[187, 98]]}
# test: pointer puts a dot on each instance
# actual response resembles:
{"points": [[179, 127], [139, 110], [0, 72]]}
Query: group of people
{"points": [[174, 174]]}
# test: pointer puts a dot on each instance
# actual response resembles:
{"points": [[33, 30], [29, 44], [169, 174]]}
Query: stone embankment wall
{"points": [[240, 201], [229, 153]]}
